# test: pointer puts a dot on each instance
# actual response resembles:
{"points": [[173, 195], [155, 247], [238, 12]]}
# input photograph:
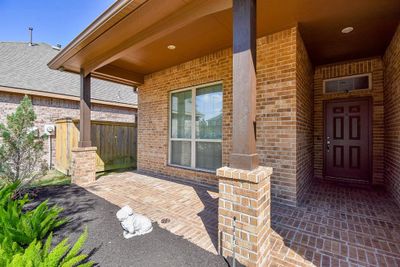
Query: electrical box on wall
{"points": [[50, 129]]}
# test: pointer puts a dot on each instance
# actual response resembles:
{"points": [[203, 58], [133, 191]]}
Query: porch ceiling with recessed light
{"points": [[131, 38]]}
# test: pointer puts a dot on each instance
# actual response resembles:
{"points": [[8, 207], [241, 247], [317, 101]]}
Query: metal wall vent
{"points": [[348, 83]]}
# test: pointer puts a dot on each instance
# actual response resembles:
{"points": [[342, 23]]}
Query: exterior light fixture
{"points": [[347, 30], [171, 47]]}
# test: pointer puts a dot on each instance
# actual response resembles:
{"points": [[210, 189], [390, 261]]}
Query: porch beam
{"points": [[244, 155], [85, 108], [117, 74]]}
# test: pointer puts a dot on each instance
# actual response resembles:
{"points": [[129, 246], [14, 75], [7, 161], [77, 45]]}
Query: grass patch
{"points": [[53, 177]]}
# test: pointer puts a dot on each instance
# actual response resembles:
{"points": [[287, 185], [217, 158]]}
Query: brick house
{"points": [[55, 94], [311, 93]]}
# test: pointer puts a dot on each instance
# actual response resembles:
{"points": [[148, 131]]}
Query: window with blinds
{"points": [[347, 84]]}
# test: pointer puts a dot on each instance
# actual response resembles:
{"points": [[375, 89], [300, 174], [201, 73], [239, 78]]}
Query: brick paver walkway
{"points": [[334, 225]]}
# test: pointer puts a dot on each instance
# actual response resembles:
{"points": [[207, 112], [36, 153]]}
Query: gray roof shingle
{"points": [[23, 66]]}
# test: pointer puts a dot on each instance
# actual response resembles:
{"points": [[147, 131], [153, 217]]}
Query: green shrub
{"points": [[37, 254], [23, 227], [21, 147]]}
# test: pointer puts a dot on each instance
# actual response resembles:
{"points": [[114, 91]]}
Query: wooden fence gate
{"points": [[116, 144]]}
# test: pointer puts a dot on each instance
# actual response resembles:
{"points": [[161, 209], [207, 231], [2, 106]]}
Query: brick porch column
{"points": [[244, 186], [245, 195], [83, 165]]}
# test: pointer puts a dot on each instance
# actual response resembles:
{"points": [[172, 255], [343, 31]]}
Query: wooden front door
{"points": [[347, 139]]}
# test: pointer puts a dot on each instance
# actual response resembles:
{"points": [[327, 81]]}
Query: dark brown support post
{"points": [[244, 155], [85, 106]]}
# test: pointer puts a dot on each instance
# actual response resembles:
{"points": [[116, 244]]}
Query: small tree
{"points": [[21, 150]]}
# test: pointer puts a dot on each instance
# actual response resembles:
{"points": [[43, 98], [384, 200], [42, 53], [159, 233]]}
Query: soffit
{"points": [[320, 24]]}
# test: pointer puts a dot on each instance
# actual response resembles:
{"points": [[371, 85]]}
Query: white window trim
{"points": [[193, 138]]}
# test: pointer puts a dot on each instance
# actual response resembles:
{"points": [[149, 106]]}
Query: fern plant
{"points": [[39, 255], [8, 249], [6, 192], [24, 227]]}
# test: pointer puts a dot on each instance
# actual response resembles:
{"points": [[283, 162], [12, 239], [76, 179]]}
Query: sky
{"points": [[53, 21]]}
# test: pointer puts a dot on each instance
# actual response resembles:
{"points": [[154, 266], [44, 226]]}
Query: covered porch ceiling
{"points": [[130, 39]]}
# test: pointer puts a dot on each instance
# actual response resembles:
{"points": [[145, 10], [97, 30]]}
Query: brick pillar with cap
{"points": [[246, 196]]}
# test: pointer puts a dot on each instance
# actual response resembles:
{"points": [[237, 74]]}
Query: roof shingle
{"points": [[25, 67]]}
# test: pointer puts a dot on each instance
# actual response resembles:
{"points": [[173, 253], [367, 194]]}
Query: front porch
{"points": [[334, 225], [270, 110]]}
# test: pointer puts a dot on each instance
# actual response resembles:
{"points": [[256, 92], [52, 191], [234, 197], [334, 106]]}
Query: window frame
{"points": [[193, 140]]}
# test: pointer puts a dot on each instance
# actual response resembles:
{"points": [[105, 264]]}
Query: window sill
{"points": [[191, 169], [349, 92]]}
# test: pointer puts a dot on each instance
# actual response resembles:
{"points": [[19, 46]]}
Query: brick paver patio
{"points": [[338, 226], [333, 226], [191, 210]]}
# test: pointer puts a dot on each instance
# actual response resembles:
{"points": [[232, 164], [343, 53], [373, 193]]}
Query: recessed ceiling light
{"points": [[171, 47], [347, 30]]}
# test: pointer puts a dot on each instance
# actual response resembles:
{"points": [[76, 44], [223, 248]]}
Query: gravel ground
{"points": [[105, 243]]}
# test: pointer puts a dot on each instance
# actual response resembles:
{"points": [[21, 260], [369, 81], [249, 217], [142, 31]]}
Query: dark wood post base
{"points": [[244, 161]]}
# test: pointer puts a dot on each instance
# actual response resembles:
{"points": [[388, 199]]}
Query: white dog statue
{"points": [[133, 224]]}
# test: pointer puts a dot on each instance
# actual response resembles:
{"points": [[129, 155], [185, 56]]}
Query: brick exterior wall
{"points": [[373, 66], [276, 111], [154, 111], [304, 119], [392, 116], [50, 109]]}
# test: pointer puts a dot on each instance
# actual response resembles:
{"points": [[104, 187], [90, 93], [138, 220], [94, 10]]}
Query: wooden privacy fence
{"points": [[116, 144]]}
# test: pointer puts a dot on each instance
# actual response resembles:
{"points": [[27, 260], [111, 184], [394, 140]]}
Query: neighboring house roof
{"points": [[25, 67]]}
